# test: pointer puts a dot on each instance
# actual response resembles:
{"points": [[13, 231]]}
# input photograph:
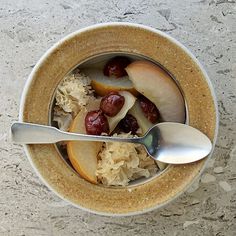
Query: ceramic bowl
{"points": [[122, 38]]}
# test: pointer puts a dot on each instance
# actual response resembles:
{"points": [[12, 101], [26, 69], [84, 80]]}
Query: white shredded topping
{"points": [[62, 118], [73, 93], [119, 163]]}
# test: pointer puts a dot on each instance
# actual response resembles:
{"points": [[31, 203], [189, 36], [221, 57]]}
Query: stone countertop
{"points": [[29, 28]]}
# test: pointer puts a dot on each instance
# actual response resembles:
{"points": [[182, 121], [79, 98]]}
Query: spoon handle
{"points": [[27, 133]]}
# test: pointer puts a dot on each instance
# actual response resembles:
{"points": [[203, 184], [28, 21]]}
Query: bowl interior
{"points": [[99, 62]]}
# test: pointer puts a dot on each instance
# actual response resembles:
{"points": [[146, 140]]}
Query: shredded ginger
{"points": [[74, 92], [119, 163]]}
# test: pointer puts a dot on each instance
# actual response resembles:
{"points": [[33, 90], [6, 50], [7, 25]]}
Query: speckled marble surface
{"points": [[29, 28]]}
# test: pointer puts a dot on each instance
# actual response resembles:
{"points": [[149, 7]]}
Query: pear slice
{"points": [[145, 125], [103, 84], [143, 122], [129, 102], [83, 154], [155, 84]]}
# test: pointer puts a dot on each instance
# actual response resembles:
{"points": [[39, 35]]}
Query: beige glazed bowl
{"points": [[128, 39]]}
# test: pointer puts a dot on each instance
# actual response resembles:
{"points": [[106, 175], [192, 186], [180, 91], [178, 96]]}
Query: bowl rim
{"points": [[135, 25]]}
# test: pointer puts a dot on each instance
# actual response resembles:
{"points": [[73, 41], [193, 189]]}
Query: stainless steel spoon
{"points": [[167, 142]]}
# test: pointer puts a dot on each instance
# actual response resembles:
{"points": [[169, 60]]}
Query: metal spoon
{"points": [[167, 142]]}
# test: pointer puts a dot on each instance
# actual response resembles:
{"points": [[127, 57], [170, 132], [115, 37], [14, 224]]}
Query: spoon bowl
{"points": [[168, 142], [176, 143]]}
